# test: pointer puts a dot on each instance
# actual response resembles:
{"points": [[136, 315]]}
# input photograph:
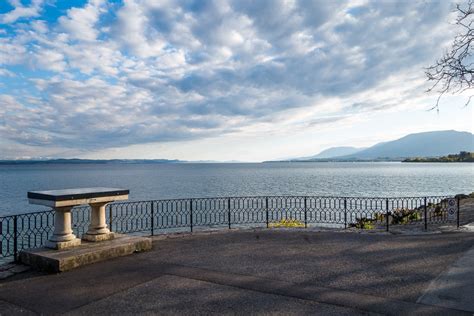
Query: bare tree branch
{"points": [[454, 72]]}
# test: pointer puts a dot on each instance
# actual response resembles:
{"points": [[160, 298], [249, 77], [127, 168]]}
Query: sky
{"points": [[219, 80]]}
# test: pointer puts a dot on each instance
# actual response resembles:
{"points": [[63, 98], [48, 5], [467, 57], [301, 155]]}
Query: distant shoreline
{"points": [[433, 161], [148, 162], [164, 161], [463, 156], [88, 161]]}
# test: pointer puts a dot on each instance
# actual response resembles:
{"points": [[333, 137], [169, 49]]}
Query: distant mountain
{"points": [[427, 144], [335, 152]]}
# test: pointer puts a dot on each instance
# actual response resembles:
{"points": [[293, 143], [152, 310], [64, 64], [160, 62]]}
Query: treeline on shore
{"points": [[463, 156]]}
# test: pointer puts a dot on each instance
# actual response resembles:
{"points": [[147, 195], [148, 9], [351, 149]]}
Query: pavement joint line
{"points": [[111, 294], [336, 297]]}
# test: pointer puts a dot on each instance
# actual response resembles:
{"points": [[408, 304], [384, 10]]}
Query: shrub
{"points": [[363, 223], [438, 211], [405, 216], [380, 217]]}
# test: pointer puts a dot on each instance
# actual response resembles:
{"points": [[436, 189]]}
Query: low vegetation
{"points": [[463, 156], [287, 223], [363, 223], [405, 216], [465, 196]]}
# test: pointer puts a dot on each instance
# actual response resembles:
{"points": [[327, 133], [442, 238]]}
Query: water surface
{"points": [[162, 181]]}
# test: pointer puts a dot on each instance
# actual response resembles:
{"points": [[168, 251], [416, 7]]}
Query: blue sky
{"points": [[222, 80]]}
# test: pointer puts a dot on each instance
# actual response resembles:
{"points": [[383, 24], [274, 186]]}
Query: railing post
{"points": [[426, 215], [266, 210], [152, 218], [15, 238], [457, 214], [228, 211], [305, 214], [191, 215], [387, 215], [110, 217], [345, 213]]}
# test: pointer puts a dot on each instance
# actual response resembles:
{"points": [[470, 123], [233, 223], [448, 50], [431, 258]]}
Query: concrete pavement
{"points": [[261, 271]]}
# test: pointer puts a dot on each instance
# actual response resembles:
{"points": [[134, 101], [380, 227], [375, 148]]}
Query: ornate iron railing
{"points": [[31, 230]]}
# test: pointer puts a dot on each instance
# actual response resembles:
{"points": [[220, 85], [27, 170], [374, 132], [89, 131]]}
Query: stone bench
{"points": [[63, 250], [62, 201]]}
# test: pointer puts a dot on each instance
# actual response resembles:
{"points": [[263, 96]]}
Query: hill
{"points": [[427, 144]]}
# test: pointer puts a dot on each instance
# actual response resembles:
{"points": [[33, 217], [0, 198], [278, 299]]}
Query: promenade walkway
{"points": [[252, 271]]}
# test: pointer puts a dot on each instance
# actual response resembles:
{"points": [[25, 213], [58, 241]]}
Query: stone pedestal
{"points": [[62, 237], [98, 230]]}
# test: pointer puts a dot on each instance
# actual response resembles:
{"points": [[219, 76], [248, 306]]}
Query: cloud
{"points": [[80, 23], [117, 74], [20, 11], [50, 60], [6, 73]]}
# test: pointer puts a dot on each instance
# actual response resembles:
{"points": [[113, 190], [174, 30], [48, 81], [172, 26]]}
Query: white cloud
{"points": [[11, 51], [39, 26], [80, 23], [133, 32], [6, 73], [20, 11], [49, 60]]}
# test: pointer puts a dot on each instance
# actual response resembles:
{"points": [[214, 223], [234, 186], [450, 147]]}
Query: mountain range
{"points": [[419, 145], [426, 144]]}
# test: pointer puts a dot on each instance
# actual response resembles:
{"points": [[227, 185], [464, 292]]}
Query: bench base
{"points": [[61, 245], [96, 238], [50, 260]]}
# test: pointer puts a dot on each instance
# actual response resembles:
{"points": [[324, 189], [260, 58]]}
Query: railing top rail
{"points": [[252, 197], [289, 196]]}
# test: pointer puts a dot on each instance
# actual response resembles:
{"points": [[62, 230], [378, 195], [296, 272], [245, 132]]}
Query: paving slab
{"points": [[455, 287], [61, 292], [182, 296], [334, 297]]}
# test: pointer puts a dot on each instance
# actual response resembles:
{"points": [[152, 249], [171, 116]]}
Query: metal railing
{"points": [[31, 230]]}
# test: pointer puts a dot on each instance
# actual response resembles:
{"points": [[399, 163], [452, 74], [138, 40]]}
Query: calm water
{"points": [[160, 181]]}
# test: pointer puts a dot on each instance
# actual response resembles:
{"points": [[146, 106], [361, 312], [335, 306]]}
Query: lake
{"points": [[163, 181]]}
